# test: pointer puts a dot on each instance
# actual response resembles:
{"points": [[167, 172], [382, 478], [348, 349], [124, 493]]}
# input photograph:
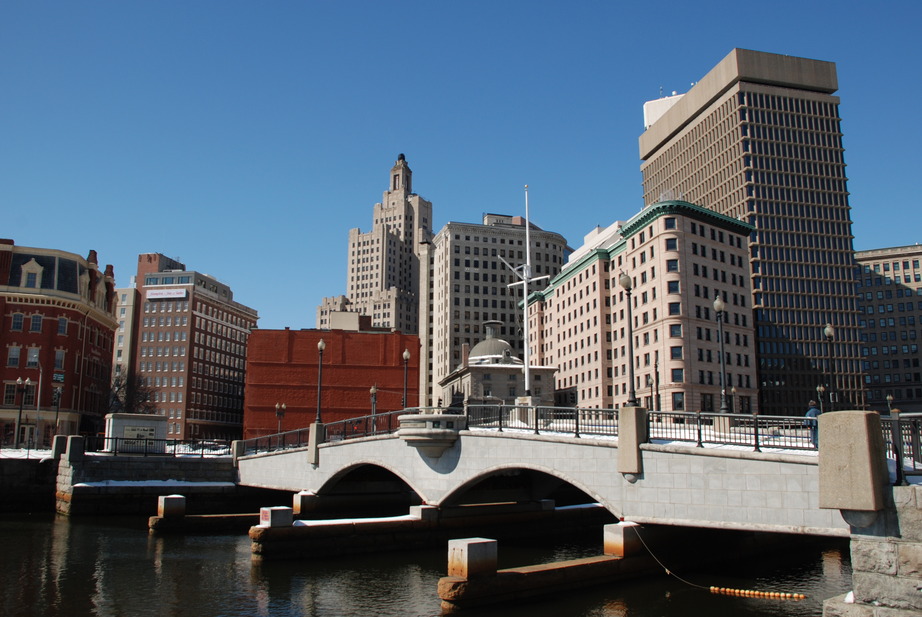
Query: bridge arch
{"points": [[537, 482]]}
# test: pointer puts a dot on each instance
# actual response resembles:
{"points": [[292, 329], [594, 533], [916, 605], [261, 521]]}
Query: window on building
{"points": [[669, 223], [35, 323], [678, 375], [678, 401], [12, 356], [672, 287], [672, 244], [32, 357], [62, 325], [675, 308], [675, 330], [17, 321], [31, 280], [59, 359], [672, 265], [675, 352]]}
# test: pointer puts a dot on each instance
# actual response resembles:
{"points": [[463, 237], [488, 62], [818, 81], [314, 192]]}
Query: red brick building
{"points": [[282, 367], [57, 330]]}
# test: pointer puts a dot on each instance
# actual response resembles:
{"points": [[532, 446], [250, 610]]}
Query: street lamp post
{"points": [[830, 332], [374, 406], [820, 390], [279, 413], [57, 408], [21, 386], [889, 403], [320, 347], [628, 284], [406, 363], [733, 403], [719, 309]]}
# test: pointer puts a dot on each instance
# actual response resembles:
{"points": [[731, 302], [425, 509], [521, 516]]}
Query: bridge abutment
{"points": [[885, 521]]}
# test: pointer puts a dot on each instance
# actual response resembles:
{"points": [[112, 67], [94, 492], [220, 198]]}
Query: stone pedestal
{"points": [[632, 431], [472, 557], [276, 516], [171, 506], [621, 539]]}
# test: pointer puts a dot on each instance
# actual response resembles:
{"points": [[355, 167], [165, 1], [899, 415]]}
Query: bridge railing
{"points": [[541, 419], [366, 426], [158, 447], [352, 428], [278, 441], [753, 431], [902, 442]]}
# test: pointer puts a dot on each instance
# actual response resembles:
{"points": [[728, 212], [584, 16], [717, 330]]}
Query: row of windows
{"points": [[14, 354], [35, 323], [891, 350]]}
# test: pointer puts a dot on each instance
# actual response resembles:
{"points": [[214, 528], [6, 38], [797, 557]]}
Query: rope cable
{"points": [[749, 593]]}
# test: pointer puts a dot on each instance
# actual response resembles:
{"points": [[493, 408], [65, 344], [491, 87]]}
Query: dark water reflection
{"points": [[113, 568]]}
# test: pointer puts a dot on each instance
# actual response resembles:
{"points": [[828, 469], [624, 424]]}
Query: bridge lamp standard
{"points": [[628, 285], [719, 307], [21, 387], [889, 403], [820, 391], [279, 414], [406, 363], [374, 406], [320, 347], [829, 332]]}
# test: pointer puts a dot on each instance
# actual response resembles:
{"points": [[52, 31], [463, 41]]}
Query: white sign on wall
{"points": [[156, 294]]}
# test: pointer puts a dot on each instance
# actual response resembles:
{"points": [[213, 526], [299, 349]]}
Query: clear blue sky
{"points": [[246, 138]]}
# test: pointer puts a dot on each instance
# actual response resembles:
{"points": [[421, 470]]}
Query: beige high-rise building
{"points": [[190, 338], [383, 276], [469, 265], [678, 258], [890, 300], [759, 139]]}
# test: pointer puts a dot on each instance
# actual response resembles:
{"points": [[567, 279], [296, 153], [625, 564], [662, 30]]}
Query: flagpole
{"points": [[525, 282]]}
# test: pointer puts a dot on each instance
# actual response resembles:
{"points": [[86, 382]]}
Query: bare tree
{"points": [[131, 395]]}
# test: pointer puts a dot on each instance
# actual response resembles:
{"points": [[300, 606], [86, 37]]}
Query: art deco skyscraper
{"points": [[383, 277], [759, 139]]}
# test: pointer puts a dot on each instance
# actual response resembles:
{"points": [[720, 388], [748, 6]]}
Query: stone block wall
{"points": [[886, 562]]}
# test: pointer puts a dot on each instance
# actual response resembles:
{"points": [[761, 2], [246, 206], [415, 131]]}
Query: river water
{"points": [[109, 567]]}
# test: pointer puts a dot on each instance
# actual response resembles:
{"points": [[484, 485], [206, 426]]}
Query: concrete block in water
{"points": [[472, 557]]}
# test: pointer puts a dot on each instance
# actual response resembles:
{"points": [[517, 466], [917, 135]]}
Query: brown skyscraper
{"points": [[758, 138]]}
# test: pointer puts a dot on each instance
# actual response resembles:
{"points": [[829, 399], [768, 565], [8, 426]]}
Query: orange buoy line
{"points": [[751, 593]]}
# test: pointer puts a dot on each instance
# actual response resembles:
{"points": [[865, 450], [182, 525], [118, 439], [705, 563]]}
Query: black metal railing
{"points": [[366, 426], [902, 442], [352, 428], [158, 447], [537, 420], [277, 441], [746, 430]]}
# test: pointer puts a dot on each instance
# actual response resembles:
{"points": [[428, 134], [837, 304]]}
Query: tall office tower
{"points": [[191, 348], [383, 277], [758, 138], [469, 286], [890, 300]]}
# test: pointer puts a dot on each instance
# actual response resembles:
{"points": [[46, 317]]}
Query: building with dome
{"points": [[490, 372]]}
